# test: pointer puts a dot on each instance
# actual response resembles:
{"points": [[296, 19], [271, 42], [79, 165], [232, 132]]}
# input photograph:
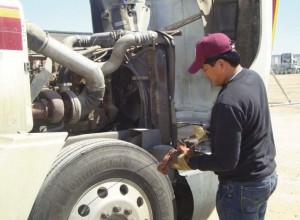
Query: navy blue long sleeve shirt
{"points": [[243, 147]]}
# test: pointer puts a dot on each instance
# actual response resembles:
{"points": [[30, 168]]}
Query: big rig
{"points": [[289, 64], [84, 121]]}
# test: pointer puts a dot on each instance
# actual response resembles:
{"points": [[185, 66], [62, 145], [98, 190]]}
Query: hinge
{"points": [[26, 67]]}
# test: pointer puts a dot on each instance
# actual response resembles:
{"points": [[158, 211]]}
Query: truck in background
{"points": [[288, 64], [85, 121]]}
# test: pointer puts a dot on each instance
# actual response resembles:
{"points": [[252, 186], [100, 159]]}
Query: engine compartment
{"points": [[56, 107], [130, 90]]}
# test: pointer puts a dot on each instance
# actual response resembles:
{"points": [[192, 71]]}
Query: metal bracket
{"points": [[183, 22], [26, 67]]}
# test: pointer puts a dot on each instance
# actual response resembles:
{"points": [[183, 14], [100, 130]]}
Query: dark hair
{"points": [[232, 57]]}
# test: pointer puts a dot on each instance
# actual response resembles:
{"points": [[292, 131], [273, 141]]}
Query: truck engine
{"points": [[86, 86], [99, 93]]}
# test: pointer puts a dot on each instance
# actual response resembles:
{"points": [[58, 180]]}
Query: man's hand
{"points": [[185, 149], [164, 163], [182, 148], [177, 159]]}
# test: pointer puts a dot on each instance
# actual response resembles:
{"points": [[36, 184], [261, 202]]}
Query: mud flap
{"points": [[203, 186]]}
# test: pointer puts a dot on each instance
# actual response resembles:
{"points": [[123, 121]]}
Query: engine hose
{"points": [[40, 42]]}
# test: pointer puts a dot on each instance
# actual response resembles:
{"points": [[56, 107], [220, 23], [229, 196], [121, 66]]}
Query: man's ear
{"points": [[223, 65], [221, 62]]}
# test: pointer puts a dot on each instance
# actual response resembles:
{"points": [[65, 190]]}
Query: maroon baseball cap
{"points": [[209, 46]]}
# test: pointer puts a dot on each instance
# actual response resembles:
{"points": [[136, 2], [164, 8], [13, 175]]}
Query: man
{"points": [[243, 149]]}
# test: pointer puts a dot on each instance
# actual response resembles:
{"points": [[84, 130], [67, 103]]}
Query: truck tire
{"points": [[104, 179]]}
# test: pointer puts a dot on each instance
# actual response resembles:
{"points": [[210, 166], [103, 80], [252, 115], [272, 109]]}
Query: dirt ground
{"points": [[285, 202]]}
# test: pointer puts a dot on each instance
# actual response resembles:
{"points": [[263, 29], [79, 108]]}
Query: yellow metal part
{"points": [[275, 13], [180, 163]]}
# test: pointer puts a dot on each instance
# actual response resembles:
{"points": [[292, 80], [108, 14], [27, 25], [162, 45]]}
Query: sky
{"points": [[68, 15]]}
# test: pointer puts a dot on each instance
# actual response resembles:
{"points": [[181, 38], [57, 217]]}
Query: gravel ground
{"points": [[285, 114]]}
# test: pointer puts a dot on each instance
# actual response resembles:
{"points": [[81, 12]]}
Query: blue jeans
{"points": [[244, 200]]}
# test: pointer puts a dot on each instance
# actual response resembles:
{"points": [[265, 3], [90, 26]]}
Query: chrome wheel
{"points": [[113, 199]]}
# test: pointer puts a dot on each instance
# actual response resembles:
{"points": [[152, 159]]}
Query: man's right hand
{"points": [[176, 159], [164, 163]]}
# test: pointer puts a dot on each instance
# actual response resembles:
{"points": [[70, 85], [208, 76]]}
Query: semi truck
{"points": [[85, 120], [285, 63], [289, 64]]}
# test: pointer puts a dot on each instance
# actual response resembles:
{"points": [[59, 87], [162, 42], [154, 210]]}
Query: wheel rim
{"points": [[113, 199]]}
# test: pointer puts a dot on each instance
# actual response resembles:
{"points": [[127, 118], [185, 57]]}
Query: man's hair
{"points": [[232, 57]]}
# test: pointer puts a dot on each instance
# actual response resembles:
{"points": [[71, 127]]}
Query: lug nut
{"points": [[116, 209], [127, 211], [104, 215]]}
